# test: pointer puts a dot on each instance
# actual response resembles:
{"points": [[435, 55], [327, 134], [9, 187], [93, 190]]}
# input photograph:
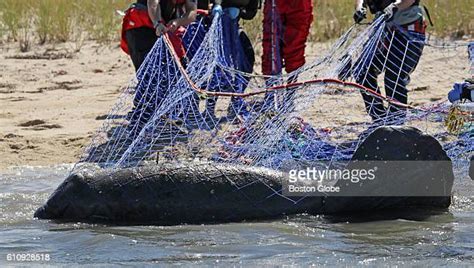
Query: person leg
{"points": [[209, 113], [288, 104], [221, 80], [373, 105], [272, 41], [366, 71], [246, 61], [272, 36], [236, 59], [140, 41], [297, 23], [190, 105], [192, 41], [403, 58]]}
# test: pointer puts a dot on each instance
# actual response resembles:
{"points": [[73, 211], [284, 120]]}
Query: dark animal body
{"points": [[172, 195], [213, 192], [416, 165]]}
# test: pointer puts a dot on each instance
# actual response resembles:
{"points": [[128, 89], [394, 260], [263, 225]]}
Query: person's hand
{"points": [[217, 9], [160, 29], [390, 11], [173, 26], [360, 14]]}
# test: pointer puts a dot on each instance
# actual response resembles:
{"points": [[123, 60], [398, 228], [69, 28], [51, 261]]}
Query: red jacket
{"points": [[135, 17]]}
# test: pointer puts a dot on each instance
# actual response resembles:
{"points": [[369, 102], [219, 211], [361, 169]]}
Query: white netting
{"points": [[215, 111]]}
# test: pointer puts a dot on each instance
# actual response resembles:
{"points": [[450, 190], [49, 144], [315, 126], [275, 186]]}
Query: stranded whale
{"points": [[171, 194]]}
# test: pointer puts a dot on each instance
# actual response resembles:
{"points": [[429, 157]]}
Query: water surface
{"points": [[443, 239]]}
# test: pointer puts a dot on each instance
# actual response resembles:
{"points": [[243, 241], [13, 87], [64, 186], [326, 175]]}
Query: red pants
{"points": [[285, 34]]}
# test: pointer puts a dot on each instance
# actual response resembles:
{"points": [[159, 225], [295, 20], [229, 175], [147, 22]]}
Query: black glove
{"points": [[360, 14], [390, 11]]}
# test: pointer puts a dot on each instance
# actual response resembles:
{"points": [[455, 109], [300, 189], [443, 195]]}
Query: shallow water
{"points": [[447, 238]]}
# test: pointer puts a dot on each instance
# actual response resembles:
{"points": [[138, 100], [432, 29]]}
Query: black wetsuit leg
{"points": [[366, 72], [247, 63], [403, 58], [140, 41]]}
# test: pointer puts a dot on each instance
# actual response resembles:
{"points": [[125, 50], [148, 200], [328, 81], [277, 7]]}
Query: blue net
{"points": [[212, 108]]}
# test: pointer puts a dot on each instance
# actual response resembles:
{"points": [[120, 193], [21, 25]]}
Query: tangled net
{"points": [[316, 113]]}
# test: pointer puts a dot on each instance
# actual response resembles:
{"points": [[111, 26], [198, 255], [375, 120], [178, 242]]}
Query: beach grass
{"points": [[451, 19], [61, 20], [43, 21]]}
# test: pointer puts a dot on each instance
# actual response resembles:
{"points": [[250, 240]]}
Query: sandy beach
{"points": [[52, 99]]}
